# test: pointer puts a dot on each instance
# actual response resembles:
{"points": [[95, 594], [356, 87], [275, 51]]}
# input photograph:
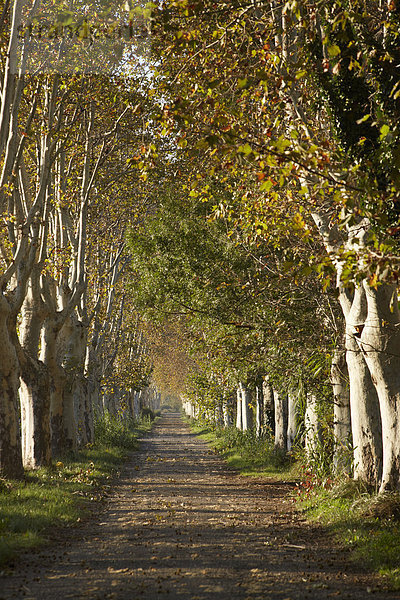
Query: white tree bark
{"points": [[342, 462], [281, 421], [239, 414], [268, 406], [380, 344], [246, 414], [10, 440], [364, 401], [48, 356], [312, 427], [225, 410], [71, 348], [259, 410], [34, 379], [292, 420]]}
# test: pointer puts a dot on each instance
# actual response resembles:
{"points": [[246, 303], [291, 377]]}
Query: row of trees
{"points": [[276, 237], [71, 344], [258, 168]]}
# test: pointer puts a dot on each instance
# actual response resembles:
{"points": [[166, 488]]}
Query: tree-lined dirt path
{"points": [[180, 524]]}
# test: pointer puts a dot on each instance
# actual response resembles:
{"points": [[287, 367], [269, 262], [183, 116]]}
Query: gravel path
{"points": [[180, 524]]}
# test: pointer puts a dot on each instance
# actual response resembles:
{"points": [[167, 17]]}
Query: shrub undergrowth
{"points": [[111, 430], [61, 495]]}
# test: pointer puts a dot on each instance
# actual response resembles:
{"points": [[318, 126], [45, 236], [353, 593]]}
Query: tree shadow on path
{"points": [[180, 524]]}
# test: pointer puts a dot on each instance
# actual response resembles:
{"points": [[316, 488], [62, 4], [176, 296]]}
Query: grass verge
{"points": [[367, 524], [244, 451], [64, 494]]}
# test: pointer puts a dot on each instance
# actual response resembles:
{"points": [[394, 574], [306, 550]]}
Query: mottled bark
{"points": [[35, 413], [312, 426], [71, 349], [218, 416], [225, 411], [380, 344], [137, 406], [57, 386], [246, 411], [259, 410], [239, 421], [292, 421], [281, 421], [342, 459], [268, 406], [35, 381], [364, 403], [83, 411], [10, 439]]}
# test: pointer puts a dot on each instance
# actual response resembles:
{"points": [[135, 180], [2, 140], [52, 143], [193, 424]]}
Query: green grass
{"points": [[367, 524], [61, 496], [245, 452]]}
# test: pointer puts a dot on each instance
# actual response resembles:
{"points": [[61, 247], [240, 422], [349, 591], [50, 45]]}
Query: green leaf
{"points": [[266, 186], [301, 74], [385, 129], [245, 149], [333, 50], [364, 118]]}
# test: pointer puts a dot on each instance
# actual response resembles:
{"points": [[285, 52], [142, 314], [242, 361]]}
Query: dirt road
{"points": [[180, 524]]}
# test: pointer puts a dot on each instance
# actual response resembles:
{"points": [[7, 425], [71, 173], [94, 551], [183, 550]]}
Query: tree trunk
{"points": [[312, 427], [10, 438], [341, 413], [35, 381], [364, 403], [218, 417], [239, 421], [71, 350], [225, 411], [259, 410], [35, 413], [292, 421], [93, 378], [137, 405], [83, 411], [268, 406], [380, 343], [88, 423], [57, 387], [281, 421], [246, 415]]}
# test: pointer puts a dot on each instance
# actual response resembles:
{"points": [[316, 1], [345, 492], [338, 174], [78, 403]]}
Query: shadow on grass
{"points": [[61, 495]]}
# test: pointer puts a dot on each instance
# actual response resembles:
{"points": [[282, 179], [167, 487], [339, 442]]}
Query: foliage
{"points": [[168, 347], [146, 414], [238, 315]]}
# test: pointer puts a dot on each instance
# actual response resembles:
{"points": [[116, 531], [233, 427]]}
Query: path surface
{"points": [[181, 525]]}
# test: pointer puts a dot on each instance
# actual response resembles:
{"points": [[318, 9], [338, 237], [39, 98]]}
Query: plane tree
{"points": [[59, 133]]}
